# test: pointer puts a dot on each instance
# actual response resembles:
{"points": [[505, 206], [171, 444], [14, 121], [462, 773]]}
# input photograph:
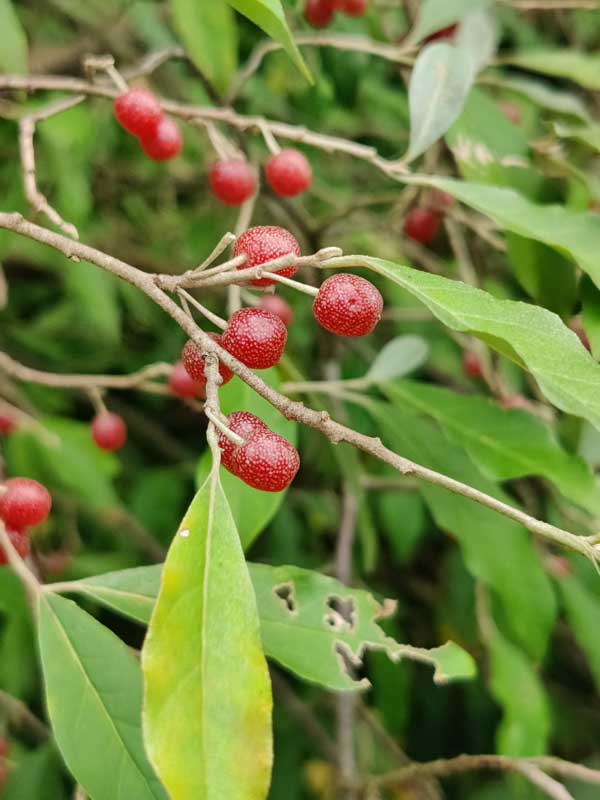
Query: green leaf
{"points": [[14, 50], [209, 34], [590, 298], [94, 698], [36, 776], [582, 608], [434, 15], [545, 95], [575, 234], [533, 337], [269, 15], [300, 627], [18, 668], [252, 509], [545, 274], [478, 37], [439, 85], [582, 68], [588, 134], [526, 723], [496, 550], [207, 714], [494, 438], [397, 358]]}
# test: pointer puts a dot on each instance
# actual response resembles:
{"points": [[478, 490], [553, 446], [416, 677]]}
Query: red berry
{"points": [[193, 362], [163, 141], [348, 305], [138, 111], [472, 365], [278, 306], [24, 503], [422, 225], [181, 383], [233, 182], [353, 8], [441, 201], [109, 431], [442, 35], [266, 243], [267, 461], [319, 13], [245, 425], [256, 337], [20, 541], [7, 424], [289, 173]]}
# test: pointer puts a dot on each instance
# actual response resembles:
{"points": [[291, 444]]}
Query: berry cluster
{"points": [[233, 181], [140, 113], [24, 503], [265, 460], [321, 13]]}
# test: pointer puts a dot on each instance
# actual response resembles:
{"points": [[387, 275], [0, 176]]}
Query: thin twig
{"points": [[21, 718]]}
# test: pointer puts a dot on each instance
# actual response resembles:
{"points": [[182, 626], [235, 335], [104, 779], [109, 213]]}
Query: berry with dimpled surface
{"points": [[278, 306], [245, 425], [181, 383], [319, 13], [24, 503], [266, 243], [20, 541], [289, 173], [109, 431], [267, 462], [163, 142], [138, 111], [191, 356], [256, 337], [348, 305], [422, 225], [232, 181]]}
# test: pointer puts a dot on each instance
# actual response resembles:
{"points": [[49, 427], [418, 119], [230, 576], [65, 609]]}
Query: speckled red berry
{"points": [[422, 225], [24, 503], [138, 111], [20, 541], [348, 305], [352, 8], [191, 355], [443, 35], [233, 181], [471, 364], [109, 431], [288, 173], [256, 337], [319, 13], [266, 243], [245, 425], [267, 462], [162, 142], [181, 383], [7, 424], [278, 306]]}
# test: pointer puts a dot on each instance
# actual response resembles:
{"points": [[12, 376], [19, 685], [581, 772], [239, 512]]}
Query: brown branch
{"points": [[21, 718], [319, 420]]}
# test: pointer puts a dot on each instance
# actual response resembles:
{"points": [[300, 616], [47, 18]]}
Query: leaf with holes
{"points": [[94, 698], [207, 710]]}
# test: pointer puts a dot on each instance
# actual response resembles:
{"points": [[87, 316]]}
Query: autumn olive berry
{"points": [[352, 8], [348, 305], [255, 337], [278, 306], [109, 431], [24, 503], [422, 225], [7, 424], [319, 13], [138, 111], [163, 142], [191, 355], [288, 173], [267, 462], [263, 244], [181, 383], [472, 366], [244, 424], [232, 181]]}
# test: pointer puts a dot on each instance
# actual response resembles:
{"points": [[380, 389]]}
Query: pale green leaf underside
{"points": [[207, 709], [300, 626], [269, 15], [397, 358], [530, 335], [94, 698], [437, 14], [582, 68]]}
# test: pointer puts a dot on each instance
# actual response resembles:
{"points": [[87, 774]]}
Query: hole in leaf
{"points": [[285, 592], [350, 664], [341, 614]]}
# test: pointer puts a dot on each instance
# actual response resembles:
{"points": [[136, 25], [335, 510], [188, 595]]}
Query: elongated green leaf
{"points": [[576, 234], [478, 37], [434, 15], [497, 551], [529, 335], [398, 357], [495, 437], [301, 624], [14, 50], [207, 713], [590, 298], [440, 83], [269, 15], [546, 96], [209, 33], [588, 134], [583, 613], [582, 68], [94, 697], [252, 510]]}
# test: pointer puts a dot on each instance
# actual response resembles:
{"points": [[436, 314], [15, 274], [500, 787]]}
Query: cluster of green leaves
{"points": [[479, 600]]}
